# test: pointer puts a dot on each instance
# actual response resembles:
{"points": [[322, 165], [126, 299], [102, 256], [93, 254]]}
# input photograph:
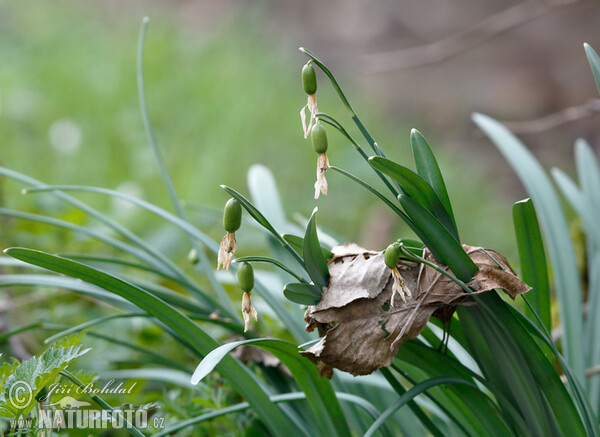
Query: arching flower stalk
{"points": [[232, 220], [391, 258], [318, 137], [309, 82]]}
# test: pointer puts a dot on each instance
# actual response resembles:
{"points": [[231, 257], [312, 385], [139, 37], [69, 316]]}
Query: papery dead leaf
{"points": [[362, 332]]}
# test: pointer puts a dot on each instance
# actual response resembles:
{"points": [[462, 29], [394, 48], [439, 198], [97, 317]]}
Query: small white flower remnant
{"points": [[391, 259], [399, 287], [227, 250], [248, 310], [321, 183], [312, 108]]}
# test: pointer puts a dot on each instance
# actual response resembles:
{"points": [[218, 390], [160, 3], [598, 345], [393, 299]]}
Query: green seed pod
{"points": [[245, 276], [193, 257], [391, 255], [318, 137], [232, 215], [309, 79]]}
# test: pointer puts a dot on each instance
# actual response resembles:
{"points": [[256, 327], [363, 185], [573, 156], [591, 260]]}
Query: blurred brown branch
{"points": [[567, 115], [449, 47]]}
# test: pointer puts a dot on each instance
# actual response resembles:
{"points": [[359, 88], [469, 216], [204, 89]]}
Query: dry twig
{"points": [[547, 122], [454, 45]]}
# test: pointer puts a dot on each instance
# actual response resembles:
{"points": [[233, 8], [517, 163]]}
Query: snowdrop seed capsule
{"points": [[245, 276], [309, 82], [309, 79], [232, 215], [318, 137], [392, 256], [232, 220]]}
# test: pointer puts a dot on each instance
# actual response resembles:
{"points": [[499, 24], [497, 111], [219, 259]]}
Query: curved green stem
{"points": [[333, 122], [266, 259]]}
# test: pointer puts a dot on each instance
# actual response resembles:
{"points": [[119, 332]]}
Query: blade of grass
{"points": [[556, 233], [439, 241], [111, 224], [303, 294], [532, 256], [320, 395], [287, 397], [297, 242], [428, 169], [314, 261], [594, 62], [410, 395], [240, 378], [99, 401], [417, 189]]}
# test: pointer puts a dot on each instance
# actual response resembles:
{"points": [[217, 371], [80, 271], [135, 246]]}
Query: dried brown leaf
{"points": [[361, 332]]}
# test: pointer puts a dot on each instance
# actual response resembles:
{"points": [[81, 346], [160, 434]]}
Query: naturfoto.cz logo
{"points": [[69, 412]]}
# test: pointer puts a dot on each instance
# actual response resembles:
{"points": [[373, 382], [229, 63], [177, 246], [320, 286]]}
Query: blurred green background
{"points": [[222, 95]]}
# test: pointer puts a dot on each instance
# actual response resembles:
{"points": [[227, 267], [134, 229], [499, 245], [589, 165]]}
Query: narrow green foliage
{"points": [[418, 189], [298, 242], [303, 294], [532, 256], [440, 242], [556, 235], [239, 377], [315, 263], [428, 169], [594, 62]]}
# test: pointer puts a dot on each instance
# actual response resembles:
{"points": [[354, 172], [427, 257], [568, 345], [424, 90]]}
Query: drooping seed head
{"points": [[309, 79], [391, 255], [232, 215], [245, 276], [318, 137]]}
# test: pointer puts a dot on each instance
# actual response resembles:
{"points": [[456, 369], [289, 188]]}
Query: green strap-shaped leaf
{"points": [[428, 169], [534, 270], [594, 62], [418, 189], [239, 377], [440, 242], [297, 243], [321, 397], [409, 396], [556, 235], [494, 319], [314, 261], [303, 294]]}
